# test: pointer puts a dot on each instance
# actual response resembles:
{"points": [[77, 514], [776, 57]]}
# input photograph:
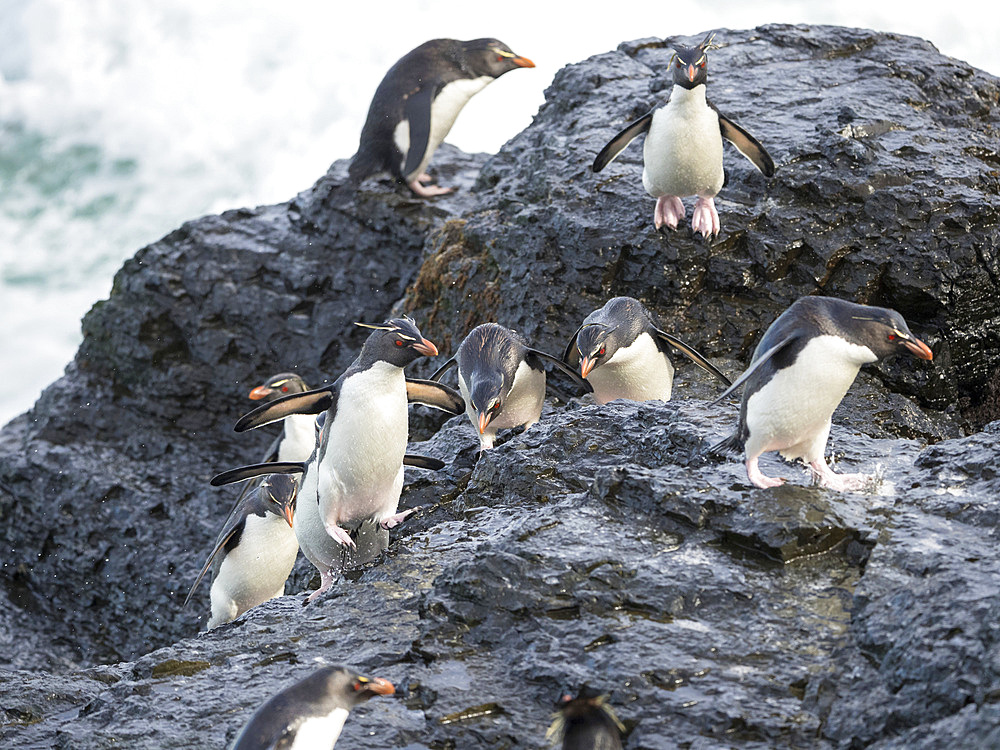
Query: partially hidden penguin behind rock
{"points": [[800, 371], [586, 722], [502, 380], [355, 474], [417, 102], [298, 438], [682, 154], [310, 714], [623, 353], [255, 551]]}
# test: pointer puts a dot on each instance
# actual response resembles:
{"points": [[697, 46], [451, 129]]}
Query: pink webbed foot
{"points": [[758, 478], [339, 535], [393, 521], [705, 218], [669, 210], [427, 191], [827, 477], [326, 579]]}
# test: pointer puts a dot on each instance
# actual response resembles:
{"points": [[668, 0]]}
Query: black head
{"points": [[607, 330], [278, 492], [585, 721], [347, 689], [882, 330], [491, 57], [397, 341], [690, 64], [279, 385], [488, 360]]}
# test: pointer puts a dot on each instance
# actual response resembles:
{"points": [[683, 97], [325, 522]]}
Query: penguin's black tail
{"points": [[730, 446]]}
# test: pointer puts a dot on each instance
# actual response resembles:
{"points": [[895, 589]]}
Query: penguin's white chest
{"points": [[638, 372], [792, 411], [444, 111], [299, 438], [682, 154], [320, 732], [361, 451]]}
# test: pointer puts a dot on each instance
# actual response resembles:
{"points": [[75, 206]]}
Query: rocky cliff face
{"points": [[602, 545]]}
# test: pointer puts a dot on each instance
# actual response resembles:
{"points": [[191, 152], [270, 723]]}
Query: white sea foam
{"points": [[119, 120]]}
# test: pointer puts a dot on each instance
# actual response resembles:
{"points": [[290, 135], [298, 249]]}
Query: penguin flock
{"points": [[331, 482]]}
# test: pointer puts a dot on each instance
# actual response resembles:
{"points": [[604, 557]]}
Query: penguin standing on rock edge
{"points": [[800, 372], [623, 353], [682, 154], [418, 101], [309, 713]]}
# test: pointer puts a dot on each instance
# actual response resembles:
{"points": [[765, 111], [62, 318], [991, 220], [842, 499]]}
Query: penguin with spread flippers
{"points": [[417, 102], [800, 371], [586, 722], [682, 154], [502, 380], [255, 552], [622, 353], [309, 714], [356, 471]]}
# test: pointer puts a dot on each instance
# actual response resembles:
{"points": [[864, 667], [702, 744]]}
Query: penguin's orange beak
{"points": [[691, 73], [522, 62], [425, 347], [260, 392], [919, 349], [586, 365], [289, 515], [380, 686], [484, 420]]}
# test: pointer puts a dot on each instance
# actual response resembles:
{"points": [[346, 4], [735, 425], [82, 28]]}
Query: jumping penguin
{"points": [[682, 154], [623, 353], [309, 713], [586, 722], [254, 554], [501, 379], [800, 371], [417, 103]]}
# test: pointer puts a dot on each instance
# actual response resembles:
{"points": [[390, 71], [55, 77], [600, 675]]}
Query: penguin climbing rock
{"points": [[623, 353], [799, 373], [501, 379], [255, 552], [309, 714], [356, 470], [417, 102], [586, 722], [682, 154]]}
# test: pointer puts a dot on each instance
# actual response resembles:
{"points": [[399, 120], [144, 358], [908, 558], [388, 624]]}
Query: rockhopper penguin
{"points": [[309, 714], [417, 102], [502, 380], [623, 353], [799, 373], [682, 154], [586, 722]]}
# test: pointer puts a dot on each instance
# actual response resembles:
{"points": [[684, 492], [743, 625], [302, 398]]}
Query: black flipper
{"points": [[443, 369], [570, 356], [563, 368], [693, 354], [434, 394], [422, 462], [417, 111], [242, 473], [310, 402], [617, 144], [755, 365], [236, 519], [748, 145]]}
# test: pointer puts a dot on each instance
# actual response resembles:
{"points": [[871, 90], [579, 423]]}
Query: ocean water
{"points": [[120, 119]]}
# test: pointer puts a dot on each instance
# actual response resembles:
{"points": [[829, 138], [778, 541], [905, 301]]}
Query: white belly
{"points": [[792, 412], [256, 570], [444, 111], [320, 732], [299, 438], [638, 372], [682, 154]]}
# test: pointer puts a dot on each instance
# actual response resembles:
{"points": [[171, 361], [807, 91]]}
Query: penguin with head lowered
{"points": [[417, 103], [586, 722], [800, 371], [355, 473], [502, 380], [682, 154], [255, 552], [623, 353], [309, 714]]}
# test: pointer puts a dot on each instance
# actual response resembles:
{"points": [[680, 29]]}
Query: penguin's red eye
{"points": [[701, 65], [892, 337], [398, 342], [284, 389], [601, 353], [499, 58]]}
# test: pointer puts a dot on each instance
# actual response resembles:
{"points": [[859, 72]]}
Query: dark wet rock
{"points": [[603, 545]]}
